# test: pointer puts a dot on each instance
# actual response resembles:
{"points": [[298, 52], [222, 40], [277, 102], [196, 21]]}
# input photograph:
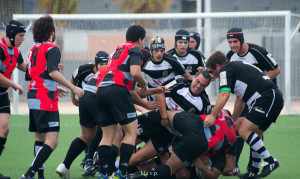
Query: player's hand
{"points": [[152, 105], [200, 68], [18, 87], [61, 92], [162, 89], [75, 101], [78, 91], [61, 66], [209, 120]]}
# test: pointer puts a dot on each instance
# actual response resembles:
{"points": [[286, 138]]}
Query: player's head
{"points": [[145, 56], [15, 31], [157, 47], [101, 59], [136, 34], [195, 40], [43, 29], [200, 81], [182, 38], [215, 62], [234, 35]]}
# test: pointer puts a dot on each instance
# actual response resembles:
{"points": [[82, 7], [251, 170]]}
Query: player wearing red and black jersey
{"points": [[115, 104], [43, 72], [263, 97], [10, 58]]}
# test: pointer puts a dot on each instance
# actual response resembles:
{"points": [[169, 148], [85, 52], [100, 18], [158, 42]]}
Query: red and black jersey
{"points": [[42, 91], [118, 68], [91, 84], [222, 135], [10, 58]]}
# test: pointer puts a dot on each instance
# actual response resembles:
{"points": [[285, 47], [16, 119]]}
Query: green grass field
{"points": [[282, 140]]}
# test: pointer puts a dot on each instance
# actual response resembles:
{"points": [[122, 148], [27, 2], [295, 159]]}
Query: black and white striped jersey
{"points": [[234, 77], [83, 74], [181, 99], [158, 74], [191, 61], [257, 56]]}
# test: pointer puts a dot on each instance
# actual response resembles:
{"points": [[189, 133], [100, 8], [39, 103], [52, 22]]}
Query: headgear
{"points": [[157, 43], [236, 32], [182, 35], [12, 29], [101, 56], [197, 37]]}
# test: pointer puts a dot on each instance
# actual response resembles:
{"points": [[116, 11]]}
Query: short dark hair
{"points": [[42, 28], [205, 74], [217, 57], [134, 32]]}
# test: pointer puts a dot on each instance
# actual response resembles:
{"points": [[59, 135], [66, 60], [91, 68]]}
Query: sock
{"points": [[2, 144], [39, 159], [159, 172], [255, 162], [114, 154], [76, 147], [86, 151], [94, 144], [104, 152], [37, 146], [257, 145], [239, 148], [126, 151]]}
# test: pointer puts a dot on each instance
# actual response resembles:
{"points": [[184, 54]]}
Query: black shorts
{"points": [[43, 121], [266, 109], [193, 142], [88, 110], [149, 127], [4, 104], [115, 105]]}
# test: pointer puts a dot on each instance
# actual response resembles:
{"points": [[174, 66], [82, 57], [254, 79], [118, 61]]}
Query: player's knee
{"points": [[4, 131]]}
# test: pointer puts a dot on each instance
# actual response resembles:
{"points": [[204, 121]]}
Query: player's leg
{"points": [[38, 144], [4, 126]]}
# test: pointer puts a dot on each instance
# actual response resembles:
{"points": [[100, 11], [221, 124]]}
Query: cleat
{"points": [[236, 170], [63, 172], [136, 175], [90, 170], [82, 164], [89, 162], [24, 177], [4, 177], [268, 168], [118, 175], [101, 176], [248, 175]]}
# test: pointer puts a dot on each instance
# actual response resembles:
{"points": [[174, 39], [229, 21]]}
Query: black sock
{"points": [[76, 147], [2, 144], [38, 161], [104, 152], [239, 148], [94, 144], [114, 154], [159, 172], [126, 151], [37, 146]]}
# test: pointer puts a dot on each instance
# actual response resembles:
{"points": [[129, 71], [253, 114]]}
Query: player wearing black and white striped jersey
{"points": [[264, 101], [185, 95], [162, 67], [190, 58], [253, 54], [86, 71]]}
